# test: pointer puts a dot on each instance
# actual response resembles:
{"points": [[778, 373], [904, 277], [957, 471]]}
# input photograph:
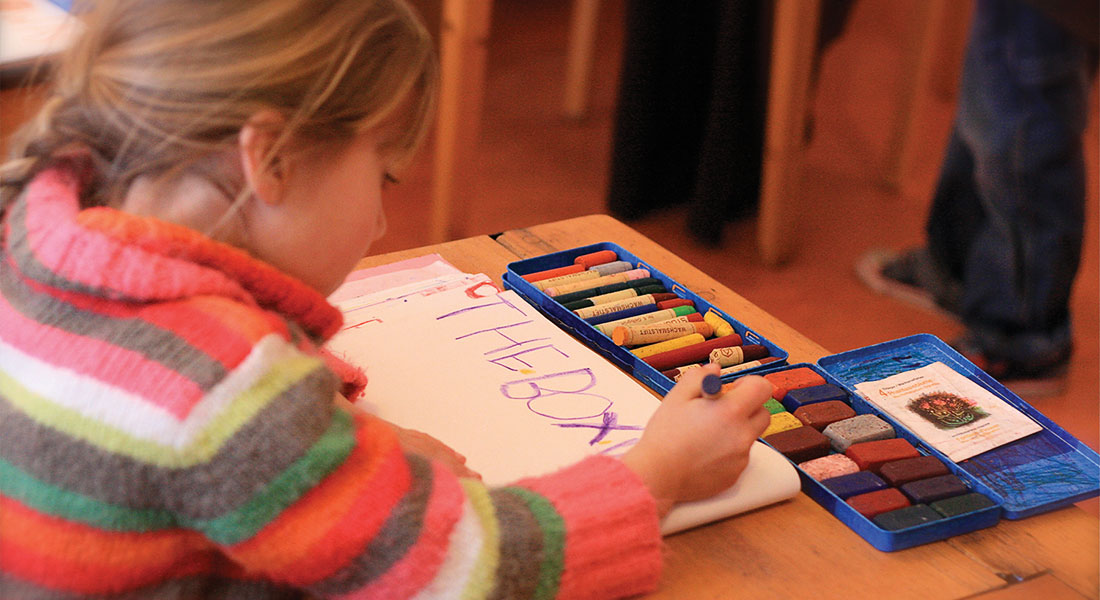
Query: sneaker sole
{"points": [[869, 270]]}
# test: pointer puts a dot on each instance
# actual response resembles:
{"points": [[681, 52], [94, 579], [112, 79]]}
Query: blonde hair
{"points": [[158, 87]]}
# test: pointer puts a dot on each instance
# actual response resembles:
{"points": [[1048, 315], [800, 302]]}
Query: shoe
{"points": [[1032, 380], [909, 276]]}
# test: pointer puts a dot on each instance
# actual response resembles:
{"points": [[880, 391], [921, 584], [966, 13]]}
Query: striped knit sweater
{"points": [[167, 430]]}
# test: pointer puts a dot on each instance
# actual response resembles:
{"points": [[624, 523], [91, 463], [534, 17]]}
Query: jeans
{"points": [[1007, 218]]}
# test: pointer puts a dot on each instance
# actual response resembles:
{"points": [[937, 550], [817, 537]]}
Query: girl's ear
{"points": [[263, 163]]}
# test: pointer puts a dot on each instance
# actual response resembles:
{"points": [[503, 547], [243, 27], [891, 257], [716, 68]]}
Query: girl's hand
{"points": [[694, 447]]}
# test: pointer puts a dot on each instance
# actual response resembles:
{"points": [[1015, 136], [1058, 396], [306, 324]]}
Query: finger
{"points": [[750, 393], [690, 385]]}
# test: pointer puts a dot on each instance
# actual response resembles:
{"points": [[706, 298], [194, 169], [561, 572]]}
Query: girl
{"points": [[203, 174]]}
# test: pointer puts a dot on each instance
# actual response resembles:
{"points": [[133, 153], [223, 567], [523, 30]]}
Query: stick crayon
{"points": [[612, 267], [610, 307], [651, 333], [675, 374], [558, 272], [615, 296], [542, 284], [596, 258], [660, 315], [607, 289], [745, 366], [675, 303], [735, 355], [587, 284], [712, 386], [690, 354], [721, 327], [667, 346], [625, 313]]}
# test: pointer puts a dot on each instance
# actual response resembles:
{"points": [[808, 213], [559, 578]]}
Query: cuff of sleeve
{"points": [[353, 380], [612, 532]]}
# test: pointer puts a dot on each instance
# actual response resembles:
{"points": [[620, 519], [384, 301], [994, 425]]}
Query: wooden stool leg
{"points": [[793, 46], [578, 67], [465, 31]]}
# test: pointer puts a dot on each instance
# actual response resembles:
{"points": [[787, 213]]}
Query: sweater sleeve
{"points": [[327, 501]]}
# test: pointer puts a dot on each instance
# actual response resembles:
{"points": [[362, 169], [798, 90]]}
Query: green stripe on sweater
{"points": [[52, 500], [330, 451], [553, 541]]}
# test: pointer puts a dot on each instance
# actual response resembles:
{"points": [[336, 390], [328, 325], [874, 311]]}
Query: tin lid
{"points": [[1038, 473]]}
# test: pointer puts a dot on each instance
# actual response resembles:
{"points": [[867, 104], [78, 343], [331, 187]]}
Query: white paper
{"points": [[947, 410], [488, 375]]}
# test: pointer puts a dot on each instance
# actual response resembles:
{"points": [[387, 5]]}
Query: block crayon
{"points": [[773, 406], [854, 484], [860, 428], [615, 296], [878, 502], [903, 471], [782, 421], [752, 364], [735, 355], [558, 272], [904, 518], [800, 397], [610, 307], [653, 317], [596, 258], [722, 328], [926, 491], [587, 284], [638, 335], [690, 354], [617, 266], [870, 456], [792, 379], [624, 313], [799, 444], [542, 284], [960, 505], [820, 415], [829, 466], [684, 341], [607, 289]]}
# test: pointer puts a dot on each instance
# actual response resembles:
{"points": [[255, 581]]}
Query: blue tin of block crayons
{"points": [[567, 320], [1044, 471]]}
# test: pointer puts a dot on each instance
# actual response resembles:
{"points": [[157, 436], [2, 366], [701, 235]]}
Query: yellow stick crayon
{"points": [[668, 345], [651, 333], [542, 284], [721, 327], [566, 288], [659, 315]]}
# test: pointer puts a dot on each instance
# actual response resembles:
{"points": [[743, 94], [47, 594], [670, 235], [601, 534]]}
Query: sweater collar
{"points": [[112, 254]]}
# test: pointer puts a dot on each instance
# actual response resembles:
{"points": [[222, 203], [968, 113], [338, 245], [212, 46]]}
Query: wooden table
{"points": [[796, 549]]}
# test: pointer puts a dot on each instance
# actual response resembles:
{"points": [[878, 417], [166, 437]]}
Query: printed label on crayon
{"points": [[610, 307]]}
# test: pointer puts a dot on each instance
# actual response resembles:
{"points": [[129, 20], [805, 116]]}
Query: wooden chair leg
{"points": [[793, 46], [578, 67], [463, 37]]}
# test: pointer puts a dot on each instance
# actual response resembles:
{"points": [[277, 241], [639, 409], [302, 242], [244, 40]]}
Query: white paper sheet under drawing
{"points": [[494, 379]]}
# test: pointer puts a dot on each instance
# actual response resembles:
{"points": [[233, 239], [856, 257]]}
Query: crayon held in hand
{"points": [[712, 386]]}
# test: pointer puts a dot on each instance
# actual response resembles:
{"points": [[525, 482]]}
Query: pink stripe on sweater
{"points": [[109, 364], [79, 254], [613, 540], [421, 563]]}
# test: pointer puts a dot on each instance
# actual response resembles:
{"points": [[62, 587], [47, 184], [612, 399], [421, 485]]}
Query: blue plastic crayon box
{"points": [[568, 320], [1041, 472]]}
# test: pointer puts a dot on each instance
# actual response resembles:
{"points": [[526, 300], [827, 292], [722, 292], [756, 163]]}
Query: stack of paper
{"points": [[449, 354]]}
